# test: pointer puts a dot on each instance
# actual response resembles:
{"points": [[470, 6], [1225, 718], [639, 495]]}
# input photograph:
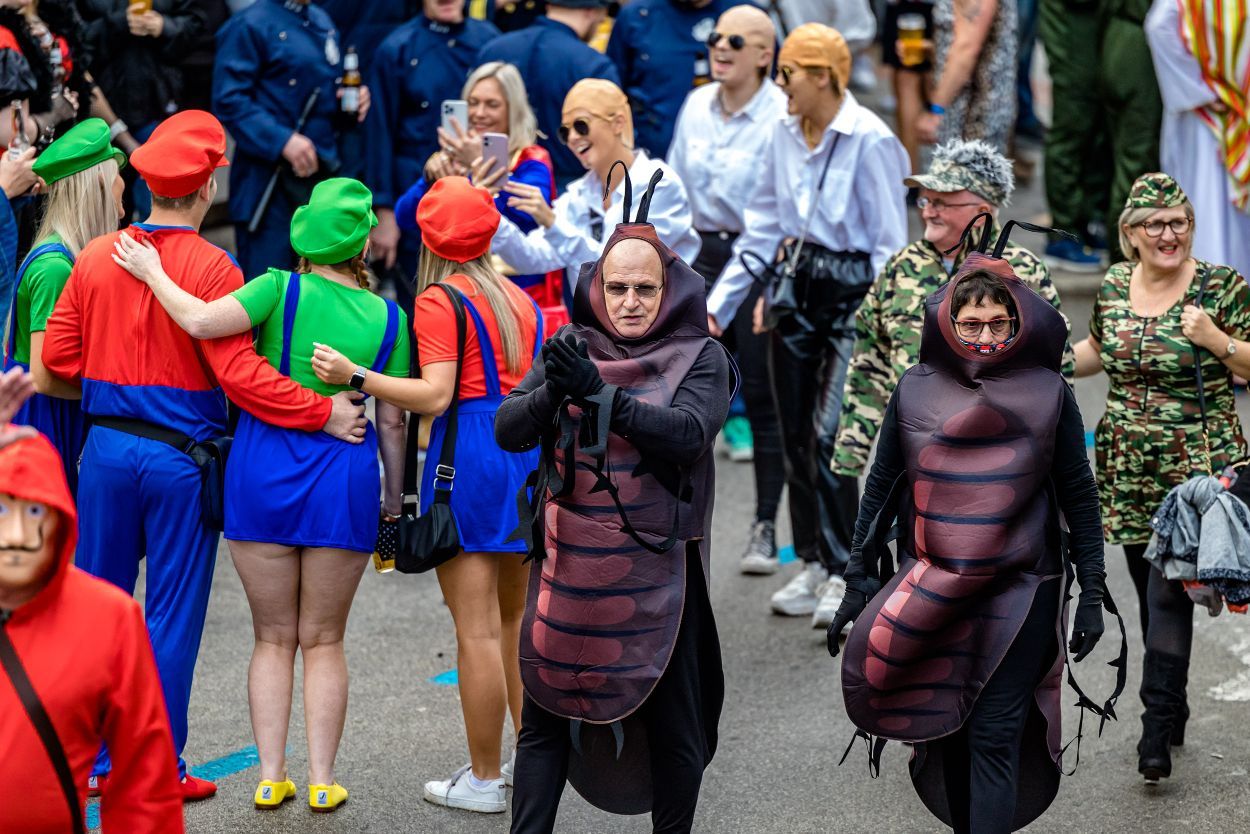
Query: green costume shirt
{"points": [[352, 320], [36, 297], [887, 338], [1150, 437]]}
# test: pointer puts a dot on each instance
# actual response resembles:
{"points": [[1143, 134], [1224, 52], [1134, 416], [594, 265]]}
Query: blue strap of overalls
{"points": [[11, 346], [389, 336], [488, 350]]}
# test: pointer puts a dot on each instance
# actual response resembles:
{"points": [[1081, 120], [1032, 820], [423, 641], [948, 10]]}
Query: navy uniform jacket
{"points": [[660, 49], [269, 58], [365, 25], [551, 59], [416, 68]]}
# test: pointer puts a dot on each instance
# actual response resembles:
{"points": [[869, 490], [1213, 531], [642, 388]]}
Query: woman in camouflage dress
{"points": [[1148, 324]]}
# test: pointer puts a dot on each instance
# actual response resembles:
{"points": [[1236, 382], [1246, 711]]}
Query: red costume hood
{"points": [[31, 470]]}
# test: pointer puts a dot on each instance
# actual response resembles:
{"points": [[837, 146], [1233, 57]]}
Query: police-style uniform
{"points": [[660, 49], [270, 57], [551, 59], [420, 65], [139, 496]]}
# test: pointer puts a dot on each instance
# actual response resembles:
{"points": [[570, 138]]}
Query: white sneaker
{"points": [[798, 598], [508, 768], [830, 594], [760, 558], [458, 792]]}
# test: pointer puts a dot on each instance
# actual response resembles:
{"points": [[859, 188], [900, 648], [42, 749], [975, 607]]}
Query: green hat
{"points": [[968, 165], [334, 225], [83, 145], [1157, 191]]}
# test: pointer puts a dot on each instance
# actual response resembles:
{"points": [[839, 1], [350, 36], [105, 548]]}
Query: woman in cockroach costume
{"points": [[961, 653], [619, 653]]}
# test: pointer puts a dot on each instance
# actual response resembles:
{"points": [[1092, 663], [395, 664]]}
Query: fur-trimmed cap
{"points": [[970, 165]]}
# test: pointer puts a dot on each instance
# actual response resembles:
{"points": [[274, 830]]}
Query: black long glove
{"points": [[569, 369], [858, 593], [1087, 627]]}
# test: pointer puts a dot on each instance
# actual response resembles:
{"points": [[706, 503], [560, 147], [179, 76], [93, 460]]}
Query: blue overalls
{"points": [[484, 506], [61, 421], [270, 57], [660, 48], [305, 489], [551, 59]]}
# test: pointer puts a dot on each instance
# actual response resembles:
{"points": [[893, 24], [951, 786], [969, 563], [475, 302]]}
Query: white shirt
{"points": [[571, 241], [718, 158], [862, 208]]}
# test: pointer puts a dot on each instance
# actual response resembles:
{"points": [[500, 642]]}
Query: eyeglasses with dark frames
{"points": [[1154, 228], [646, 292]]}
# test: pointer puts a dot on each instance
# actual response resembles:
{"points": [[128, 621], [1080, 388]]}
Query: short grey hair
{"points": [[522, 126], [1136, 215]]}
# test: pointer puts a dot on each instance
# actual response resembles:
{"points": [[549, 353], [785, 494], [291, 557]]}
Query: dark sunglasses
{"points": [[580, 126], [736, 42]]}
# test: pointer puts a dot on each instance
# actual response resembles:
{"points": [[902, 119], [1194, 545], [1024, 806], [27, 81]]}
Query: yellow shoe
{"points": [[272, 794], [326, 797]]}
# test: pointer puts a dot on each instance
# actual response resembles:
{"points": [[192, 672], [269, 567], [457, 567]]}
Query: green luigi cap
{"points": [[1157, 191], [83, 145], [334, 225]]}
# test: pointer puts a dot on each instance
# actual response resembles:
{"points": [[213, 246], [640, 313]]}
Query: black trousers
{"points": [[680, 733], [1139, 571], [751, 351], [986, 752], [809, 354]]}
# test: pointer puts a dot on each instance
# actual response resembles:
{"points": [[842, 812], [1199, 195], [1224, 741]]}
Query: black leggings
{"points": [[1139, 571], [987, 749], [1171, 617]]}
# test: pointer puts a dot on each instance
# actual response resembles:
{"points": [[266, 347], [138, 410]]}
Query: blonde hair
{"points": [[1134, 215], [355, 267], [489, 284], [80, 207], [522, 125]]}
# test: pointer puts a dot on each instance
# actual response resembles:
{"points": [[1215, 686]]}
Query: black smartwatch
{"points": [[358, 379]]}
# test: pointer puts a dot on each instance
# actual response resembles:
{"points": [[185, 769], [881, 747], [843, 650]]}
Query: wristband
{"points": [[937, 109], [117, 128]]}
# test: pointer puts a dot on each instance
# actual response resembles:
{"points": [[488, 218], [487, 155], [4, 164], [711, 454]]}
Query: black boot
{"points": [[1178, 726], [1163, 693]]}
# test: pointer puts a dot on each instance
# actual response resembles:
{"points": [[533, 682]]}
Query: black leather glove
{"points": [[1087, 627], [558, 393], [569, 369], [858, 592]]}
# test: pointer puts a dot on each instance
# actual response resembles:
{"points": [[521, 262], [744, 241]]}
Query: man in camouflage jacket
{"points": [[964, 179]]}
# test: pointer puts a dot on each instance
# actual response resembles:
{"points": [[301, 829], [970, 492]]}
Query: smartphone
{"points": [[495, 146], [457, 109]]}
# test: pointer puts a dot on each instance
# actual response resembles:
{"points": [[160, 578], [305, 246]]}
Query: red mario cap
{"points": [[182, 153], [457, 219]]}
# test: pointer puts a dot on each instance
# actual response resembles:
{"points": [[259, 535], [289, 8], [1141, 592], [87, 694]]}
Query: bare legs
{"points": [[486, 595], [299, 598]]}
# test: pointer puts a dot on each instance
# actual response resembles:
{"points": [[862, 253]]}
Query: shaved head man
{"points": [[633, 286]]}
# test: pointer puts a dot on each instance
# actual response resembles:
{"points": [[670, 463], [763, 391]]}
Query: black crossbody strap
{"points": [[447, 456], [1202, 394], [43, 726]]}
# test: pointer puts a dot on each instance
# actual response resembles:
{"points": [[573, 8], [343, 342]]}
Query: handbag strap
{"points": [[1202, 394], [43, 724], [446, 470]]}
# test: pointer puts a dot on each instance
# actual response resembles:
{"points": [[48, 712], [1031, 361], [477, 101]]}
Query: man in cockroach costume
{"points": [[619, 653], [961, 652]]}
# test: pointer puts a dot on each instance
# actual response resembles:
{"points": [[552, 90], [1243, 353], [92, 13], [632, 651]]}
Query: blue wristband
{"points": [[937, 109]]}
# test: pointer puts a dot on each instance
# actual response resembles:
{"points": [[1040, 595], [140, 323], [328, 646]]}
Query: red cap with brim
{"points": [[457, 219], [182, 153]]}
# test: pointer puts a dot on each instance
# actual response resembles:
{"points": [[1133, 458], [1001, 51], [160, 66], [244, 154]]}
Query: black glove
{"points": [[1087, 627], [858, 592], [548, 346], [569, 369]]}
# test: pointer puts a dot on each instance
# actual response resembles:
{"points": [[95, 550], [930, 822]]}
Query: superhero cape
{"points": [[610, 534], [978, 533]]}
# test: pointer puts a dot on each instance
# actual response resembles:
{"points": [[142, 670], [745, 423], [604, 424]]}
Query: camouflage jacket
{"points": [[887, 338]]}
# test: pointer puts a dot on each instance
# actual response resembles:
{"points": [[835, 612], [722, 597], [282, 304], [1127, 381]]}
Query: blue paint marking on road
{"points": [[448, 678], [786, 554], [213, 771]]}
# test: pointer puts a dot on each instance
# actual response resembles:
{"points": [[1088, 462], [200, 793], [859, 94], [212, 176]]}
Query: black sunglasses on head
{"points": [[580, 126], [736, 42]]}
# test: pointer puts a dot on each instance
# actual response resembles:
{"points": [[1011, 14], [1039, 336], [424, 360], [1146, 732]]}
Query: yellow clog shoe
{"points": [[272, 794], [326, 797]]}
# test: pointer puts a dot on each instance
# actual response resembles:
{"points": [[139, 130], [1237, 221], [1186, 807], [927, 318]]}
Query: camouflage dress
{"points": [[887, 338], [1150, 437]]}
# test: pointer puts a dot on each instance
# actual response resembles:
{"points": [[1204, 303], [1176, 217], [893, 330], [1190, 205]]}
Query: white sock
{"points": [[480, 784]]}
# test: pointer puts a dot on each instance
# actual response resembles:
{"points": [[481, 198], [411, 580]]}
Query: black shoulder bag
{"points": [[430, 539], [43, 724]]}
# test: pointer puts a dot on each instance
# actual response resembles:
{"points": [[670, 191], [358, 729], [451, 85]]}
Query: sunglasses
{"points": [[643, 291], [580, 126], [736, 42], [971, 328]]}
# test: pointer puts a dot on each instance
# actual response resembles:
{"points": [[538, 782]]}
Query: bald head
{"points": [[747, 20], [742, 69], [633, 286]]}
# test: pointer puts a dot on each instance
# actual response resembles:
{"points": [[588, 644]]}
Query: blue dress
{"points": [[487, 479]]}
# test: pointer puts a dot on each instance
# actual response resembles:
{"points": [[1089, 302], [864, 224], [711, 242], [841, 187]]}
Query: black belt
{"points": [[724, 236], [151, 431]]}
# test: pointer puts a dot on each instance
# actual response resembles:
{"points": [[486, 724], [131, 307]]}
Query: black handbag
{"points": [[430, 539]]}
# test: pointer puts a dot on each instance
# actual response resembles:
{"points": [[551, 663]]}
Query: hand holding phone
{"points": [[457, 109], [495, 151]]}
